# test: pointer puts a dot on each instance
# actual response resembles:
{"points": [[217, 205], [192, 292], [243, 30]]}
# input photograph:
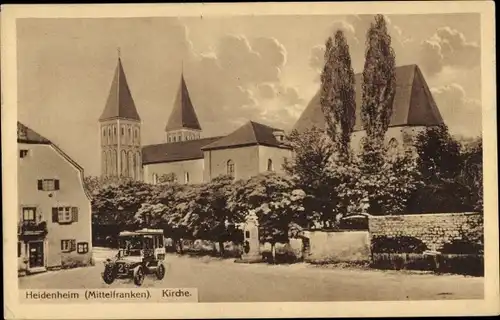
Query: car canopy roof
{"points": [[141, 232]]}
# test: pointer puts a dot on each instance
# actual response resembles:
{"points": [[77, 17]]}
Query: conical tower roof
{"points": [[120, 103], [183, 115]]}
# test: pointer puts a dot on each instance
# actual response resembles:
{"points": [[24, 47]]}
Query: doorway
{"points": [[36, 254]]}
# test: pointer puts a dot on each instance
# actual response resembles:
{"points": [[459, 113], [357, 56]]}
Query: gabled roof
{"points": [[120, 103], [183, 115], [176, 151], [27, 135], [413, 103], [251, 133]]}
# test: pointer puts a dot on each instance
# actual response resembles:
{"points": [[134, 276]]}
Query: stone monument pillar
{"points": [[251, 243]]}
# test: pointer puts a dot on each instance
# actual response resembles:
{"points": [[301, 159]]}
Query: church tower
{"points": [[183, 123], [120, 131]]}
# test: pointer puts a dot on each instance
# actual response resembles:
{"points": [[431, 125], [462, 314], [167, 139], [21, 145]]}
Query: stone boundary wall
{"points": [[434, 229], [342, 246]]}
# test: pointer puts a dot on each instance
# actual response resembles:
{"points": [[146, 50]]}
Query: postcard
{"points": [[249, 160]]}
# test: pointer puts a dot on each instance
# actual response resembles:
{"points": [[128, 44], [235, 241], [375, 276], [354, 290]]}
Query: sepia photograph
{"points": [[229, 158]]}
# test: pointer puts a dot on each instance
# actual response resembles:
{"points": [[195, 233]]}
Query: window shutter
{"points": [[55, 215], [74, 214], [40, 185], [56, 184], [73, 245]]}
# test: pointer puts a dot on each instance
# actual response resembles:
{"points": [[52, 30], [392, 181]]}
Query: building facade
{"points": [[120, 131], [54, 226]]}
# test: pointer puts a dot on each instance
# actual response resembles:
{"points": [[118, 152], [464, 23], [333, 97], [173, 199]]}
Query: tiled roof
{"points": [[183, 114], [120, 103], [176, 151], [27, 135], [251, 133], [413, 103]]}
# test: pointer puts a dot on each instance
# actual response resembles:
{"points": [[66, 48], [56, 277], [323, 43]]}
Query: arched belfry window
{"points": [[270, 165], [230, 168]]}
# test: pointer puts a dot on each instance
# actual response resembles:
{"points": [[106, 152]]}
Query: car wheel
{"points": [[108, 276], [138, 276], [160, 271]]}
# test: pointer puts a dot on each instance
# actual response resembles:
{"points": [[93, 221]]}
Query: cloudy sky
{"points": [[237, 69]]}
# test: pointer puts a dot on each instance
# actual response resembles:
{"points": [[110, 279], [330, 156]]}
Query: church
{"points": [[414, 109], [251, 149], [184, 152]]}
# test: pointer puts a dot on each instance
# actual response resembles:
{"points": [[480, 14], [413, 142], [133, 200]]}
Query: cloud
{"points": [[462, 114], [448, 47], [239, 80], [355, 28]]}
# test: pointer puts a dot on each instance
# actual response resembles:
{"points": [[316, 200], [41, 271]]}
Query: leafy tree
{"points": [[117, 204], [472, 171], [378, 89], [93, 184], [387, 189], [167, 178], [276, 201], [309, 169], [438, 154], [208, 212], [160, 204], [337, 93], [451, 176]]}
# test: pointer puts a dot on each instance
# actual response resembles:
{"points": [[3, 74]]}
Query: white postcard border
{"points": [[14, 310]]}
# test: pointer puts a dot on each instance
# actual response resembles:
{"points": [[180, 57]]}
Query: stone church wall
{"points": [[193, 167], [277, 157], [245, 159]]}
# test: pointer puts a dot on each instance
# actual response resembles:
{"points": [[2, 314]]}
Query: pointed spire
{"points": [[120, 103], [183, 115]]}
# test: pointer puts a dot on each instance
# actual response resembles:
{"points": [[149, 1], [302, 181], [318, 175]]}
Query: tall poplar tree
{"points": [[338, 95], [379, 85]]}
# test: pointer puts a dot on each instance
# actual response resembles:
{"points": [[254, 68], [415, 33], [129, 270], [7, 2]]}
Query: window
{"points": [[270, 165], [186, 177], [65, 215], [179, 138], [174, 139], [18, 249], [230, 168], [68, 245], [82, 247], [48, 184], [123, 131], [23, 153], [29, 214], [169, 139], [247, 234], [155, 178], [104, 132]]}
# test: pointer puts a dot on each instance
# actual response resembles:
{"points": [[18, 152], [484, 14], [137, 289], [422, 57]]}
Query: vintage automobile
{"points": [[140, 253]]}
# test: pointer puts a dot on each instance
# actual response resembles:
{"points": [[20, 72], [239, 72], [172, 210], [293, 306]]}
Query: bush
{"points": [[462, 246], [401, 244], [466, 264], [398, 261]]}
